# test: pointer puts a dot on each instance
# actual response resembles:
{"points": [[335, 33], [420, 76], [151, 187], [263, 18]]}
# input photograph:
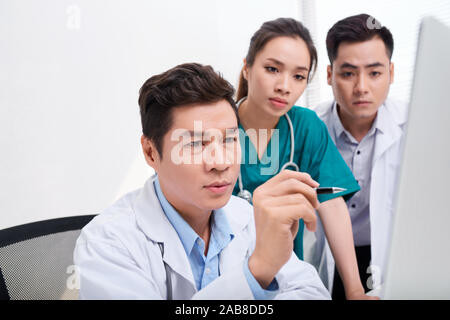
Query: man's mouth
{"points": [[218, 187]]}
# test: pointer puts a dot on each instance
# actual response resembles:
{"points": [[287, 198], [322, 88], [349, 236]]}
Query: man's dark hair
{"points": [[357, 28], [185, 84]]}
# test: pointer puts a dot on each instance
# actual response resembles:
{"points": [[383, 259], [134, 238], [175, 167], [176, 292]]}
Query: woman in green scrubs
{"points": [[277, 68]]}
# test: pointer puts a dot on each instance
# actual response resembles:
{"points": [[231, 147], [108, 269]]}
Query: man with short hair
{"points": [[367, 128], [183, 235]]}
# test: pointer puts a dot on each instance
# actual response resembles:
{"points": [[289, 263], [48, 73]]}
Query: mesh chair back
{"points": [[36, 259]]}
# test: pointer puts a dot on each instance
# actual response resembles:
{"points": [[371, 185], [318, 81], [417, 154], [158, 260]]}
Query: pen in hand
{"points": [[327, 190]]}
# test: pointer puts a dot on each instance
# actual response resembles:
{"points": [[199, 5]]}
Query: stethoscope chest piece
{"points": [[246, 195]]}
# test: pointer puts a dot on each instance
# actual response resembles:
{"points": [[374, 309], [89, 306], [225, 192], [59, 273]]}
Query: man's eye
{"points": [[196, 144], [230, 140], [375, 73], [346, 74]]}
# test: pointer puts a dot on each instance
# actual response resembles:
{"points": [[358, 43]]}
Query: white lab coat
{"points": [[118, 256], [385, 169]]}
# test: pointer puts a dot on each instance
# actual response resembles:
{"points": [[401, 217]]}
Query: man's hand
{"points": [[278, 205]]}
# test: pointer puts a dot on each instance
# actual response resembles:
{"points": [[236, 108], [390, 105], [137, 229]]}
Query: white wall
{"points": [[70, 72]]}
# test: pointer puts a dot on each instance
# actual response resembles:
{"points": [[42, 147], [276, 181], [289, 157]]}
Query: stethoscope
{"points": [[245, 194]]}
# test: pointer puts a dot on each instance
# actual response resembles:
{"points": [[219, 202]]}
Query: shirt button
{"points": [[358, 152], [353, 206], [199, 242], [208, 270]]}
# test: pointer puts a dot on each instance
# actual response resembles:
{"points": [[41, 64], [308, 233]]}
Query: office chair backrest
{"points": [[36, 259]]}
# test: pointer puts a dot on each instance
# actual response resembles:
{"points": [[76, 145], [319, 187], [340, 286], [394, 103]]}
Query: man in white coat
{"points": [[183, 235], [367, 128]]}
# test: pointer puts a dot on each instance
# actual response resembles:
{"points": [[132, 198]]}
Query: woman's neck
{"points": [[251, 117], [261, 125]]}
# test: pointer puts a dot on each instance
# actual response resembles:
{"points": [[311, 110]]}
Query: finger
{"points": [[292, 187], [294, 228], [289, 174], [301, 176], [286, 200], [291, 213]]}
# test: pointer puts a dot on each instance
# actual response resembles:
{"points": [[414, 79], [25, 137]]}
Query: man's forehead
{"points": [[199, 131], [362, 53], [216, 116]]}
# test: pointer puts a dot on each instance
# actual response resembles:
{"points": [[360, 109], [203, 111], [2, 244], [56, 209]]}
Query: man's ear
{"points": [[329, 74], [391, 72], [150, 153]]}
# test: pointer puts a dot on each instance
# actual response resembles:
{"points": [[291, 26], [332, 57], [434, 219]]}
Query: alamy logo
{"points": [[373, 23], [73, 280], [73, 17], [213, 146], [374, 281]]}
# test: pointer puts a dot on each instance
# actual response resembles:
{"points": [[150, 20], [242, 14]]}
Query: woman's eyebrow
{"points": [[277, 62]]}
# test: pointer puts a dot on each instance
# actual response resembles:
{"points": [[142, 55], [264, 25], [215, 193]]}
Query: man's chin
{"points": [[363, 114], [367, 115], [218, 202]]}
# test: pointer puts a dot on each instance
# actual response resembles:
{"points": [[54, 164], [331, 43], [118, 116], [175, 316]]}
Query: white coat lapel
{"points": [[153, 222], [384, 172], [390, 133], [240, 216], [234, 254]]}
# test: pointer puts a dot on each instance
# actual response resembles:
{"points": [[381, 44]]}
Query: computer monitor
{"points": [[419, 257]]}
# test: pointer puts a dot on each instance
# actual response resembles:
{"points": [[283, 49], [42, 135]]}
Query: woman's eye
{"points": [[299, 77], [271, 69]]}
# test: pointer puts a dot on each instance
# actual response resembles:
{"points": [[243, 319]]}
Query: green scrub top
{"points": [[314, 153]]}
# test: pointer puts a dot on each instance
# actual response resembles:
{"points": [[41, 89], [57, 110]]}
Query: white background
{"points": [[70, 72]]}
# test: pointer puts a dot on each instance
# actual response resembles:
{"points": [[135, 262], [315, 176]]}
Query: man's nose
{"points": [[361, 85], [215, 158]]}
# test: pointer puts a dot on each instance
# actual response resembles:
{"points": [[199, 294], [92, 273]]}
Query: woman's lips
{"points": [[278, 103]]}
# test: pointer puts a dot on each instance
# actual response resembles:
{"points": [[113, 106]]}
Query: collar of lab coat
{"points": [[154, 224], [391, 121]]}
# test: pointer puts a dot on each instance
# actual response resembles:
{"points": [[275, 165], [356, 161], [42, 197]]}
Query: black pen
{"points": [[329, 190]]}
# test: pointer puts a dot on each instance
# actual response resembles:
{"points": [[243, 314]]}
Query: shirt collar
{"points": [[336, 121], [219, 226], [338, 128], [221, 229]]}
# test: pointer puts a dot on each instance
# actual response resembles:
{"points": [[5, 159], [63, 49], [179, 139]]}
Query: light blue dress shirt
{"points": [[206, 268]]}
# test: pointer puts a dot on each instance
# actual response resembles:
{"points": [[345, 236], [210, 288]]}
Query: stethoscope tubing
{"points": [[245, 194]]}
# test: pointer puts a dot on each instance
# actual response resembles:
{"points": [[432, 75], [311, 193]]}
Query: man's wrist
{"points": [[260, 271]]}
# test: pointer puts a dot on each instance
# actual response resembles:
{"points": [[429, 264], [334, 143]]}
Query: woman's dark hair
{"points": [[359, 28], [281, 27], [183, 85]]}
